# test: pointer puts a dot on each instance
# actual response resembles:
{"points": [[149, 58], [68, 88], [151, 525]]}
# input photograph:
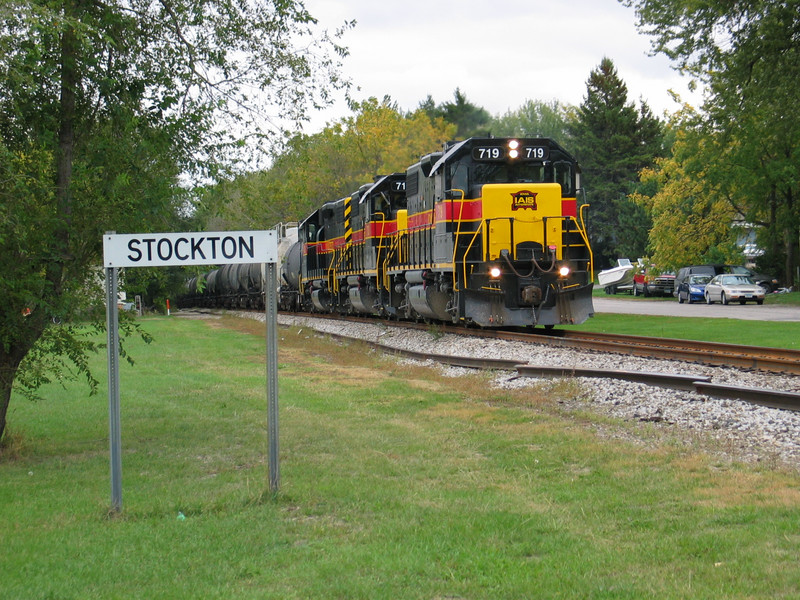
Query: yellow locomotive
{"points": [[486, 232]]}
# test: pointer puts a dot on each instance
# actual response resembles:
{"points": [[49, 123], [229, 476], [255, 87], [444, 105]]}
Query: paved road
{"points": [[645, 306]]}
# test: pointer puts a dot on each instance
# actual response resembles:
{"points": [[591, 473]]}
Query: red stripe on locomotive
{"points": [[569, 207], [459, 210]]}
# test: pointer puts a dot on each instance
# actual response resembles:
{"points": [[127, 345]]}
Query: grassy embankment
{"points": [[396, 483], [779, 334]]}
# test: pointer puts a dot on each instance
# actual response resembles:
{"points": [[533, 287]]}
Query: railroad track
{"points": [[774, 360]]}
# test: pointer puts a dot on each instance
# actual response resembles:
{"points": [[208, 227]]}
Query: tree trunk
{"points": [[9, 364], [6, 381], [12, 357], [70, 80], [790, 247]]}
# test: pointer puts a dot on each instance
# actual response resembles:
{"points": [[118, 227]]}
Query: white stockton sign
{"points": [[177, 249], [183, 249]]}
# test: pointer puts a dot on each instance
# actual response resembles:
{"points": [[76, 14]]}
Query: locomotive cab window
{"points": [[459, 180], [563, 176]]}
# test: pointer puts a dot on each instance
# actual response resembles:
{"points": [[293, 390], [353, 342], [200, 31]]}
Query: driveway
{"points": [[671, 308]]}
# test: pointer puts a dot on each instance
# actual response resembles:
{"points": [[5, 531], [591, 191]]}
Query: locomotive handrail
{"points": [[586, 240], [456, 234], [380, 244], [393, 247], [464, 256], [331, 273]]}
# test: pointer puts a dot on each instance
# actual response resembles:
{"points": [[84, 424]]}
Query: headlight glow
{"points": [[513, 153], [564, 271], [513, 144], [495, 272]]}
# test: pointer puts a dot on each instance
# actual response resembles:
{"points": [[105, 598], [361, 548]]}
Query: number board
{"points": [[501, 153]]}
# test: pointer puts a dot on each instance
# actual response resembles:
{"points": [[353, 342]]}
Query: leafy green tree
{"points": [[377, 139], [106, 106], [746, 53], [469, 119], [533, 119], [613, 141], [691, 214]]}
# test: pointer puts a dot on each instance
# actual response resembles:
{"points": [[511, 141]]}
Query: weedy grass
{"points": [[396, 482]]}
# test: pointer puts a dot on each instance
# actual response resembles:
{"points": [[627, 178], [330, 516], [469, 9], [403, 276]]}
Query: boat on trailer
{"points": [[619, 278]]}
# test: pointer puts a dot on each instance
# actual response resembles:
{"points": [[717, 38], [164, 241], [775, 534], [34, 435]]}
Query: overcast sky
{"points": [[500, 53]]}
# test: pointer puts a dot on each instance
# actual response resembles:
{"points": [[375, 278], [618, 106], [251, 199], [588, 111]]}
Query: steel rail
{"points": [[773, 360], [699, 384], [761, 358]]}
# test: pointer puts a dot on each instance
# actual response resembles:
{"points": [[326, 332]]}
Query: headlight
{"points": [[495, 272], [564, 271], [513, 151]]}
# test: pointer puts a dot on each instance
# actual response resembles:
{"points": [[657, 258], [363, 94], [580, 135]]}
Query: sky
{"points": [[499, 53]]}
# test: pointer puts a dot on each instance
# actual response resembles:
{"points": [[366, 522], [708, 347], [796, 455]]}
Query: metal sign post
{"points": [[196, 248], [114, 432], [271, 302]]}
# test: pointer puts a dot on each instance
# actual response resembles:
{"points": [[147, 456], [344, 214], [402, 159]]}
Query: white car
{"points": [[730, 288]]}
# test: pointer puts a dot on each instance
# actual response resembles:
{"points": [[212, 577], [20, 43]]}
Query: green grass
{"points": [[776, 334], [396, 483]]}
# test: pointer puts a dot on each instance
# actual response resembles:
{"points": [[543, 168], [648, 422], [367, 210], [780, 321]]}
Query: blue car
{"points": [[693, 288]]}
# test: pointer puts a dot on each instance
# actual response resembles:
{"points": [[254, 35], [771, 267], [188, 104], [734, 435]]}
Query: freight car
{"points": [[486, 232]]}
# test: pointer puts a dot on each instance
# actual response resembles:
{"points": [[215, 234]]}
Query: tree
{"points": [[533, 119], [105, 108], [377, 139], [691, 215], [747, 55], [613, 141], [469, 119]]}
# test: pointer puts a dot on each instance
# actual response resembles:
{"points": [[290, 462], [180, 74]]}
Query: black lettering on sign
{"points": [[178, 255], [136, 254], [189, 249], [164, 254], [228, 247], [243, 246], [196, 248]]}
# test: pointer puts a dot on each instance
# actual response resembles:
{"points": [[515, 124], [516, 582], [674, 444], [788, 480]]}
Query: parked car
{"points": [[649, 282], [765, 281], [768, 282], [693, 288], [731, 288]]}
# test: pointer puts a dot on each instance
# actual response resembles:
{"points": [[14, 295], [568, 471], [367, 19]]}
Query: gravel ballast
{"points": [[743, 431]]}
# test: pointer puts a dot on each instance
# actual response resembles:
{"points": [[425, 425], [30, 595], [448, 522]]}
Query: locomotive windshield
{"points": [[470, 176], [477, 162]]}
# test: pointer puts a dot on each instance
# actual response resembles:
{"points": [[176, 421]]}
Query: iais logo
{"points": [[523, 199]]}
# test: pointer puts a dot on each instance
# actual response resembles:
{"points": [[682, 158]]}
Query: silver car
{"points": [[730, 288]]}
